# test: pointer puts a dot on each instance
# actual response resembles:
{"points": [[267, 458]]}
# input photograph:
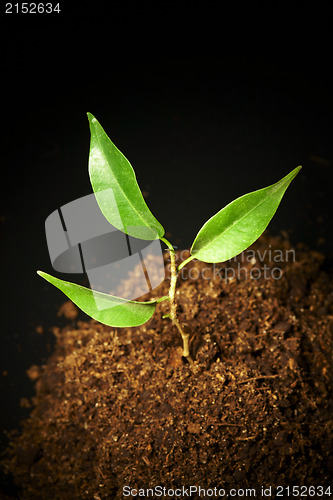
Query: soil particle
{"points": [[116, 407]]}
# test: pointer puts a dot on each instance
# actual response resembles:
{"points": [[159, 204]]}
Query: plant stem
{"points": [[186, 261], [173, 305]]}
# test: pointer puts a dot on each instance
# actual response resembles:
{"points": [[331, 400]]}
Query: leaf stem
{"points": [[173, 305], [161, 299], [168, 244], [186, 261]]}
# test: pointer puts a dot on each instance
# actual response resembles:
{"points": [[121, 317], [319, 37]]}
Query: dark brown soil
{"points": [[120, 407]]}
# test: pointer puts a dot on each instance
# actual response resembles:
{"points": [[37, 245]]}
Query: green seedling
{"points": [[225, 235]]}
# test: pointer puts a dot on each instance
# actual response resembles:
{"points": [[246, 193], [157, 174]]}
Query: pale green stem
{"points": [[173, 305], [186, 261]]}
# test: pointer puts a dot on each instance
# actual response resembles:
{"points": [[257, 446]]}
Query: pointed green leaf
{"points": [[115, 186], [239, 224], [107, 309]]}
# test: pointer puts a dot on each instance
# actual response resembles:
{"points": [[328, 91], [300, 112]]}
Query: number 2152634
{"points": [[32, 8]]}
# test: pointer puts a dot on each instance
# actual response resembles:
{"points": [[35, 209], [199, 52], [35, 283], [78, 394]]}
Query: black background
{"points": [[206, 104]]}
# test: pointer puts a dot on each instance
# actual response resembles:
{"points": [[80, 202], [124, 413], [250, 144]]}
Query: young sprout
{"points": [[225, 235]]}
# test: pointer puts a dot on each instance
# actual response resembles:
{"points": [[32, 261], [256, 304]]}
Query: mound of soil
{"points": [[118, 411]]}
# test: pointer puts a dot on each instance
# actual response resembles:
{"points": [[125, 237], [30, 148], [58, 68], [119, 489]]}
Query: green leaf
{"points": [[107, 309], [115, 186], [239, 224]]}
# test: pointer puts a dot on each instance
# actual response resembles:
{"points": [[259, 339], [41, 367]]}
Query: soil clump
{"points": [[121, 407]]}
